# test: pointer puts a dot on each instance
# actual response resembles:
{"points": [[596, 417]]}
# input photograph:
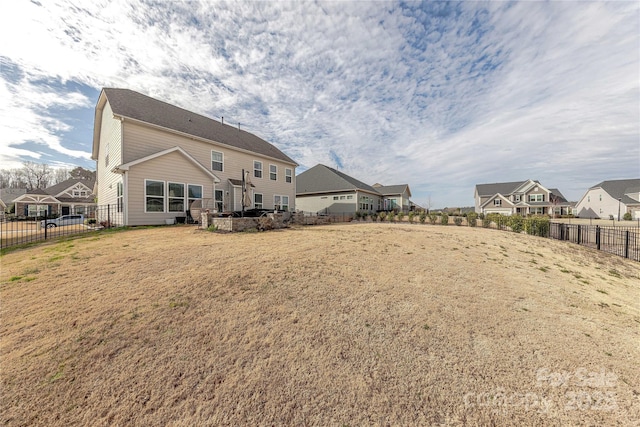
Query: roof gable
{"points": [[387, 190], [133, 105], [497, 196], [62, 187], [127, 166], [323, 179]]}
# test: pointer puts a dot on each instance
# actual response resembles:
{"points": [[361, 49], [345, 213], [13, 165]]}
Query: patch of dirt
{"points": [[354, 324]]}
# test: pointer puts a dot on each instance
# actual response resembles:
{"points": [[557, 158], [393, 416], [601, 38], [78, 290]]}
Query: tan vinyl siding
{"points": [[172, 167], [143, 141], [111, 138]]}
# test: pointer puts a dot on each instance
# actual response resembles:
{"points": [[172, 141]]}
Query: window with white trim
{"points": [[497, 202], [153, 195], [257, 169], [176, 196], [288, 175], [257, 200], [536, 197], [516, 197], [217, 161], [219, 200], [281, 203], [37, 210], [106, 156], [273, 172], [194, 192], [120, 197]]}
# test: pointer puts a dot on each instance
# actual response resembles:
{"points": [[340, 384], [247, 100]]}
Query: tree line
{"points": [[41, 175]]}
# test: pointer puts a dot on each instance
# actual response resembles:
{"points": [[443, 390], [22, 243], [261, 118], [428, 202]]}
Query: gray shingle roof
{"points": [[498, 187], [558, 194], [61, 186], [388, 190], [134, 105], [9, 194], [617, 189], [323, 179]]}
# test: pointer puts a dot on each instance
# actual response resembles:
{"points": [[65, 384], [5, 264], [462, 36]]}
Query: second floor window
{"points": [[288, 175], [536, 197], [257, 169], [216, 161], [273, 172], [497, 202]]}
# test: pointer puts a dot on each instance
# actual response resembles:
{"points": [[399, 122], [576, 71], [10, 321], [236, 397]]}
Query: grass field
{"points": [[354, 324]]}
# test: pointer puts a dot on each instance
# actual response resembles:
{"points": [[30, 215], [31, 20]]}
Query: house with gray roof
{"points": [[396, 197], [322, 189], [520, 198], [155, 159], [7, 196], [72, 196], [611, 199]]}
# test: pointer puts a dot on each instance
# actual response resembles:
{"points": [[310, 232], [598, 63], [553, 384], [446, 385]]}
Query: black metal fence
{"points": [[14, 231], [621, 241]]}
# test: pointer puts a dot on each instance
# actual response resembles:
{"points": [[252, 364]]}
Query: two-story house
{"points": [[520, 198], [611, 199], [322, 189], [155, 159], [72, 196]]}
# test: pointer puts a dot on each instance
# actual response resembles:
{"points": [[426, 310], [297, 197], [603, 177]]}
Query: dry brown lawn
{"points": [[354, 324]]}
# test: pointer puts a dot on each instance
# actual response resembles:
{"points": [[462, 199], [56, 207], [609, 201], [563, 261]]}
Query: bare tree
{"points": [[82, 173], [37, 175], [428, 204], [59, 175], [12, 178]]}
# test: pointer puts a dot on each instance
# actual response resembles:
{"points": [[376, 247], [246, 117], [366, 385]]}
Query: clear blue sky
{"points": [[439, 95]]}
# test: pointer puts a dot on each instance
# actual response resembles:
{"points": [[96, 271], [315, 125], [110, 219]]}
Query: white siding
{"points": [[142, 141], [111, 138], [325, 203], [601, 203]]}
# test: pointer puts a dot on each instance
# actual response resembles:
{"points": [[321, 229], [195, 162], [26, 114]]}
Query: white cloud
{"points": [[442, 95]]}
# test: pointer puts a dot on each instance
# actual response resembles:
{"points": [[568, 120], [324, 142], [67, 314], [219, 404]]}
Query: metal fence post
{"points": [[626, 244], [108, 216], [597, 237], [579, 232]]}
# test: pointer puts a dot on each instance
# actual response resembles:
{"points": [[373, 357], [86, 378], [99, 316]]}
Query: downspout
{"points": [[125, 198]]}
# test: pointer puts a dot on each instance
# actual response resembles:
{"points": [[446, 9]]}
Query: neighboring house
{"points": [[73, 196], [8, 195], [520, 198], [608, 198], [322, 189], [154, 159], [395, 196]]}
